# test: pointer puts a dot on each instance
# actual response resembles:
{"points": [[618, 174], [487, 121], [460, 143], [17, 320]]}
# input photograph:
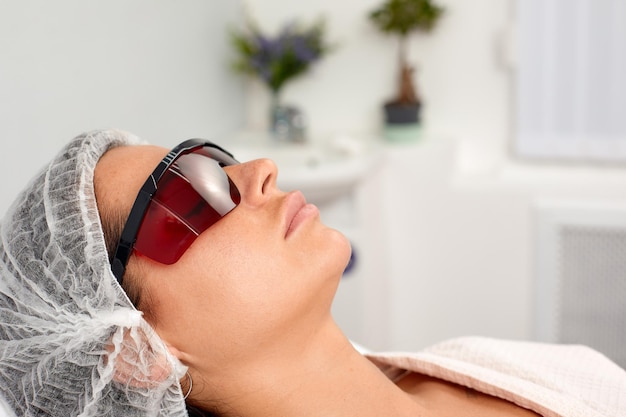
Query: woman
{"points": [[233, 322]]}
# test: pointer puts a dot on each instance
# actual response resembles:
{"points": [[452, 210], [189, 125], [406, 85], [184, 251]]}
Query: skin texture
{"points": [[247, 307]]}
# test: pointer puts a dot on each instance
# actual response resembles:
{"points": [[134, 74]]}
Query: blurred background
{"points": [[503, 216]]}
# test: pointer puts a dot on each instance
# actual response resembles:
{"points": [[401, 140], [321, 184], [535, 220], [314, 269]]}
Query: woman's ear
{"points": [[174, 351], [134, 361]]}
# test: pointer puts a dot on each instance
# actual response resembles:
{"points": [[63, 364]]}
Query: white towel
{"points": [[552, 380]]}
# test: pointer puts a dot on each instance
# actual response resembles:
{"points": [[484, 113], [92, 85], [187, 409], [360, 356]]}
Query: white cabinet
{"points": [[373, 303]]}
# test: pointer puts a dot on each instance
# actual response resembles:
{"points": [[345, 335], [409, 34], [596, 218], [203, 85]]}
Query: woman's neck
{"points": [[327, 377]]}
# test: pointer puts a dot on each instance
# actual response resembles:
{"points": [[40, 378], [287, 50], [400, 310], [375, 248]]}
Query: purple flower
{"points": [[303, 50], [278, 59]]}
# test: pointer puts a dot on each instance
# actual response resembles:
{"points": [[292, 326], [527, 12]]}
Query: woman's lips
{"points": [[297, 211]]}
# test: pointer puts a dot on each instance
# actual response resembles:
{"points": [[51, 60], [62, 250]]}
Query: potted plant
{"points": [[403, 17], [275, 60]]}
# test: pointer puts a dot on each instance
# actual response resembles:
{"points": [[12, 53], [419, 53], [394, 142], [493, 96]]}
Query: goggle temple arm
{"points": [[125, 246]]}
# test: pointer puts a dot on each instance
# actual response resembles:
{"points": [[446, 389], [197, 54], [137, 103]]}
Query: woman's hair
{"points": [[196, 412], [112, 225]]}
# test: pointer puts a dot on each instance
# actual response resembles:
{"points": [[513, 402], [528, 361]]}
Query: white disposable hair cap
{"points": [[71, 343]]}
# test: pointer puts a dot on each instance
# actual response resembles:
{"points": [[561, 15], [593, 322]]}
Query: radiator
{"points": [[580, 276]]}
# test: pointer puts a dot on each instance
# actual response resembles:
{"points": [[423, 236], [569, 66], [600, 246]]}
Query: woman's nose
{"points": [[256, 180]]}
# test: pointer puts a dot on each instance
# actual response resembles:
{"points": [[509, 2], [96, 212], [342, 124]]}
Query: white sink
{"points": [[322, 171]]}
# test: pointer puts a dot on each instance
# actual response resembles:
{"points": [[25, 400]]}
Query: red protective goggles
{"points": [[187, 193]]}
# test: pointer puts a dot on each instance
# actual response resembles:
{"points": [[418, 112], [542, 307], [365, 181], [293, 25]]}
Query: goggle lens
{"points": [[192, 195]]}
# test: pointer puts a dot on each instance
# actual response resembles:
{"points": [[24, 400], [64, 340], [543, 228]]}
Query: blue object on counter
{"points": [[351, 262]]}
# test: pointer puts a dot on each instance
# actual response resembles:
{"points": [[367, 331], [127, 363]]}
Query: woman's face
{"points": [[261, 277]]}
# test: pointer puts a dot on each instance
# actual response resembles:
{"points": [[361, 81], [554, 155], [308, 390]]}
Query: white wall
{"points": [[450, 235], [460, 73], [156, 68]]}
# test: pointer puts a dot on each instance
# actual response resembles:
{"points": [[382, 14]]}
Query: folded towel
{"points": [[551, 380]]}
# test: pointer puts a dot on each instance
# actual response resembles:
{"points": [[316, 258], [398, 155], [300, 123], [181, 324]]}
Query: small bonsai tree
{"points": [[402, 17]]}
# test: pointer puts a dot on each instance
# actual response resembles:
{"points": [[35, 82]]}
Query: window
{"points": [[571, 79]]}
